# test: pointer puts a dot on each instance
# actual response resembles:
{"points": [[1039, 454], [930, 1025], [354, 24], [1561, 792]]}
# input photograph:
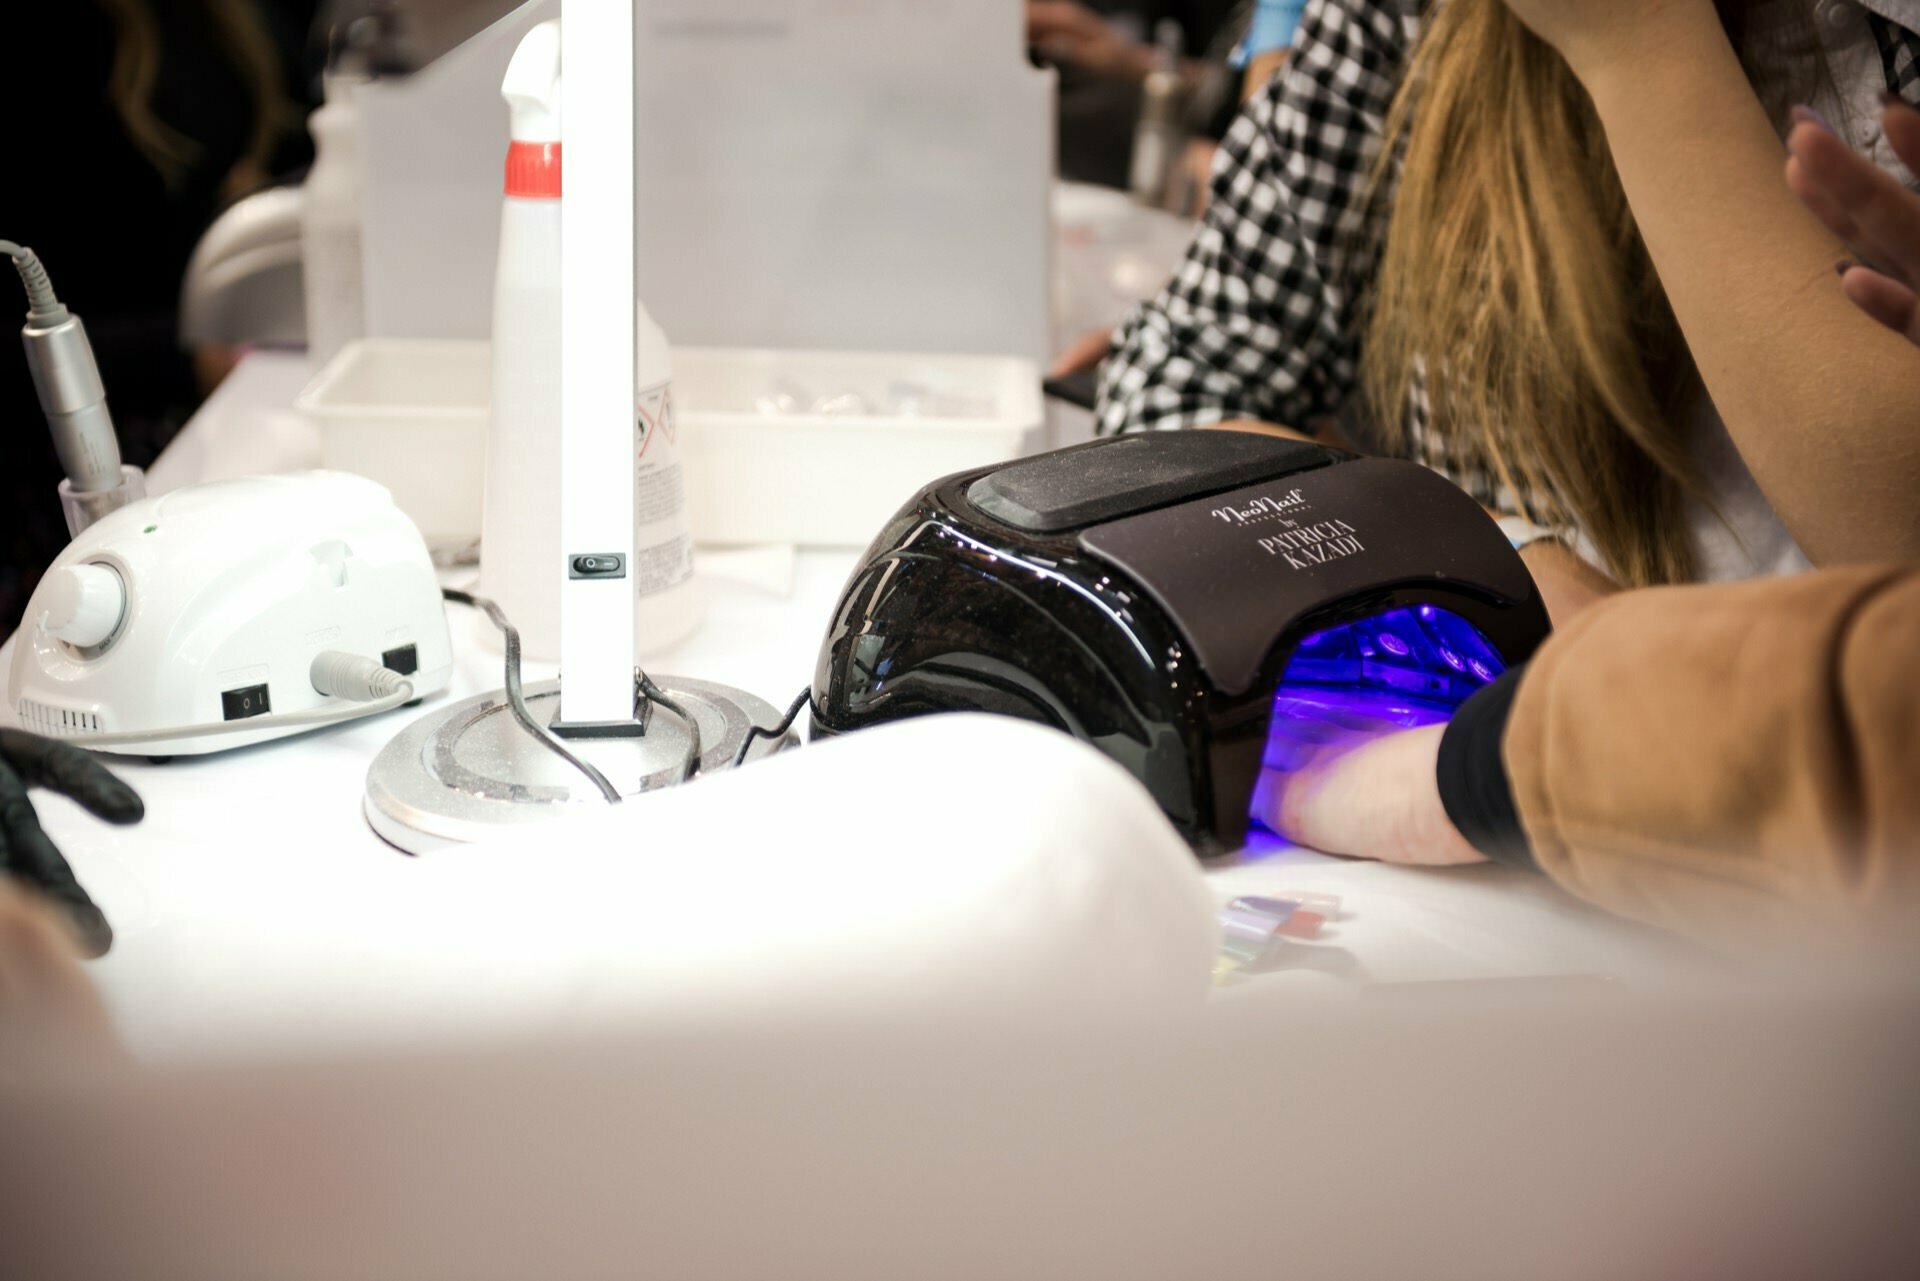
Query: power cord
{"points": [[653, 693], [517, 701], [364, 685], [43, 304], [775, 734], [644, 690]]}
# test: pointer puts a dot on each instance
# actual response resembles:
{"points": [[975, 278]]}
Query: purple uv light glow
{"points": [[1399, 670]]}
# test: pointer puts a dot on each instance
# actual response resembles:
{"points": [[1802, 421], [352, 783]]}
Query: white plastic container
{"points": [[332, 257], [822, 448], [413, 416]]}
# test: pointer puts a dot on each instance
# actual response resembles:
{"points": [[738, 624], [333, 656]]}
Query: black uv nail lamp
{"points": [[1200, 606]]}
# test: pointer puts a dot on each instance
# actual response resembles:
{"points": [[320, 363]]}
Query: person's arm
{"points": [[1260, 321], [1269, 39], [1819, 400], [1072, 32], [1567, 583], [1697, 758]]}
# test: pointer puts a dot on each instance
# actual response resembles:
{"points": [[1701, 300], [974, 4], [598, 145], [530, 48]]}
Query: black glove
{"points": [[27, 760]]}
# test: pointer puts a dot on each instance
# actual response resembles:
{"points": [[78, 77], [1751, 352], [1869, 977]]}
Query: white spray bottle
{"points": [[521, 544], [520, 525]]}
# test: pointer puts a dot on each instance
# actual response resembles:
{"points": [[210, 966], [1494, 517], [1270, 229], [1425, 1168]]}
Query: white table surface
{"points": [[296, 804]]}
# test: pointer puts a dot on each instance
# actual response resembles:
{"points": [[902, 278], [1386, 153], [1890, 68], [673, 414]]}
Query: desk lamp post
{"points": [[471, 769]]}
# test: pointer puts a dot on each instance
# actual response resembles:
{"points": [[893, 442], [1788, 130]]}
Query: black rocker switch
{"points": [[243, 704], [599, 565]]}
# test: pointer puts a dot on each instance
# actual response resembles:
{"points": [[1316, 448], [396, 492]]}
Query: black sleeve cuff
{"points": [[1473, 776]]}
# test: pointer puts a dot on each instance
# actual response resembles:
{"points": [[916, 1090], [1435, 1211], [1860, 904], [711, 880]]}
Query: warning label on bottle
{"points": [[663, 546], [656, 569], [659, 494], [656, 429]]}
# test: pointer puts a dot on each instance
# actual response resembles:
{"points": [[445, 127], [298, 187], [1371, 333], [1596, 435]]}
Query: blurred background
{"points": [[171, 111], [1106, 49], [164, 113]]}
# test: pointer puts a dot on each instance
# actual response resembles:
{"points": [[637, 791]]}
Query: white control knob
{"points": [[84, 604]]}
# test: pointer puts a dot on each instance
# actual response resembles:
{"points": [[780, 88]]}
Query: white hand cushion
{"points": [[943, 863]]}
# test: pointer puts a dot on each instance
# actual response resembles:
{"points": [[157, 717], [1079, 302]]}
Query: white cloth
{"points": [[944, 864]]}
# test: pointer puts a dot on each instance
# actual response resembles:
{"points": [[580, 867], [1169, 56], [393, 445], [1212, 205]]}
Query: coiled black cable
{"points": [[653, 693], [517, 700]]}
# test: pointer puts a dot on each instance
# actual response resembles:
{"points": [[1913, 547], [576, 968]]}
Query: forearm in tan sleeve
{"points": [[1702, 757]]}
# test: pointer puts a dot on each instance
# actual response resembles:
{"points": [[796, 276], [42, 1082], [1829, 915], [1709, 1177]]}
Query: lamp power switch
{"points": [[597, 565]]}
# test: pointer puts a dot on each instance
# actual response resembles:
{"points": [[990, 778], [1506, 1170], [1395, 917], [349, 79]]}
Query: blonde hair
{"points": [[137, 55], [1515, 290]]}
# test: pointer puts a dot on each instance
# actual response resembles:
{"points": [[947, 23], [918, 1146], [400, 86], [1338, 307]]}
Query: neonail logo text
{"points": [[1261, 510]]}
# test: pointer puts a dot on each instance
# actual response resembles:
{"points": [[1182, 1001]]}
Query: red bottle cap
{"points": [[533, 170]]}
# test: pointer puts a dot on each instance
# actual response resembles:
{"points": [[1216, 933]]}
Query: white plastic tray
{"points": [[777, 472], [412, 415], [811, 448]]}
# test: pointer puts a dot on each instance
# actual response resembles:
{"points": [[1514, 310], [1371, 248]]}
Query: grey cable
{"points": [[314, 719], [43, 307], [516, 700]]}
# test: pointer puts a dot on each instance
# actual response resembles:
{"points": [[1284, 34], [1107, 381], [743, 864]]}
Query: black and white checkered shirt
{"points": [[1899, 55], [1262, 320]]}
